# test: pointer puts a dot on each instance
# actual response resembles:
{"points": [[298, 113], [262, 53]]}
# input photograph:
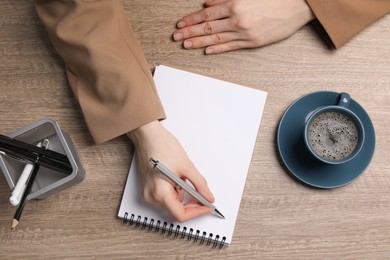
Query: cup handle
{"points": [[344, 100]]}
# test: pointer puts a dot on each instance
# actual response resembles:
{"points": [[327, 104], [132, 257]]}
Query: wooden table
{"points": [[279, 218]]}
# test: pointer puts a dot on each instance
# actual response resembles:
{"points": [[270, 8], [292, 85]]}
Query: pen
{"points": [[21, 185], [182, 184], [28, 152], [16, 145], [28, 189]]}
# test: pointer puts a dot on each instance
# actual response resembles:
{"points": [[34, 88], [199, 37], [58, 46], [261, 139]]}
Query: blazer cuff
{"points": [[343, 19]]}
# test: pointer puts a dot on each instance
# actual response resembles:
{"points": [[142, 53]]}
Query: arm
{"points": [[110, 78], [105, 65]]}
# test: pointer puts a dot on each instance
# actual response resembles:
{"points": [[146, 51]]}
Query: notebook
{"points": [[217, 123]]}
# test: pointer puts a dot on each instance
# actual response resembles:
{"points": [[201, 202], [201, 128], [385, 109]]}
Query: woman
{"points": [[92, 35]]}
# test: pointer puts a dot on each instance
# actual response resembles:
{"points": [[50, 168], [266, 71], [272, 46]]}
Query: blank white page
{"points": [[217, 123]]}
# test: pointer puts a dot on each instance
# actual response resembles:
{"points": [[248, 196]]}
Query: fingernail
{"points": [[181, 24], [187, 44], [209, 50], [178, 36]]}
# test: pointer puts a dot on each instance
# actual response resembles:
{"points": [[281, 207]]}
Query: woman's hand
{"points": [[153, 140], [226, 25]]}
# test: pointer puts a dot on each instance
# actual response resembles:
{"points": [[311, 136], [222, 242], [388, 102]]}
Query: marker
{"points": [[21, 185]]}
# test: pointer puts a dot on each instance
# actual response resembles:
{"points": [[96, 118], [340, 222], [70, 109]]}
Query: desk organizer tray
{"points": [[47, 181]]}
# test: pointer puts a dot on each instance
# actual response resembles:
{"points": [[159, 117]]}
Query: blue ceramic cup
{"points": [[334, 134]]}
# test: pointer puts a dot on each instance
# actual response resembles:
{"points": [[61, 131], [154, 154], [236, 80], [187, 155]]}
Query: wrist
{"points": [[307, 13], [144, 132]]}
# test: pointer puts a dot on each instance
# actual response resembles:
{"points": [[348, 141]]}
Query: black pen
{"points": [[13, 143], [31, 153]]}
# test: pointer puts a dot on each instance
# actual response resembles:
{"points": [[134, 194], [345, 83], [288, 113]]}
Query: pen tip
{"points": [[219, 213]]}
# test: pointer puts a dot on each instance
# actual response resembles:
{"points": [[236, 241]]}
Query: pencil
{"points": [[34, 171], [30, 183]]}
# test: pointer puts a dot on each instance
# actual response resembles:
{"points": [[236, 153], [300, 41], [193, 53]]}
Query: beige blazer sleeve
{"points": [[343, 19], [105, 65]]}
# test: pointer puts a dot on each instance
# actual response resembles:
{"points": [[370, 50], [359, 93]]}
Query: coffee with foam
{"points": [[333, 135]]}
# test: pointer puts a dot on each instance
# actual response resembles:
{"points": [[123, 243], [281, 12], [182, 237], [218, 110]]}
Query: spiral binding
{"points": [[182, 232]]}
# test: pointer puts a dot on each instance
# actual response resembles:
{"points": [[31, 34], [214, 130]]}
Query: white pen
{"points": [[182, 184], [21, 185]]}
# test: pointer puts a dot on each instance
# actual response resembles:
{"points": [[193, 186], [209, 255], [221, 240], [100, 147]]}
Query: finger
{"points": [[214, 2], [204, 41], [206, 28], [228, 46], [198, 181], [180, 193], [207, 14], [183, 213], [192, 204]]}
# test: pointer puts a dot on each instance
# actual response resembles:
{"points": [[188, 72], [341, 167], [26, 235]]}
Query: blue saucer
{"points": [[298, 159]]}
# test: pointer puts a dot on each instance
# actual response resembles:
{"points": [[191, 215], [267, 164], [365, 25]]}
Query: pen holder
{"points": [[47, 181]]}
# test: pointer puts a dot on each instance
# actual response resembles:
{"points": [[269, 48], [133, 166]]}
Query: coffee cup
{"points": [[334, 134]]}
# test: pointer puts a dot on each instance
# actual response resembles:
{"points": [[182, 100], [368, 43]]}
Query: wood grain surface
{"points": [[279, 218]]}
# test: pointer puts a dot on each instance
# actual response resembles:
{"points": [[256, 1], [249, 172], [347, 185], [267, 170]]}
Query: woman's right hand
{"points": [[153, 140]]}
